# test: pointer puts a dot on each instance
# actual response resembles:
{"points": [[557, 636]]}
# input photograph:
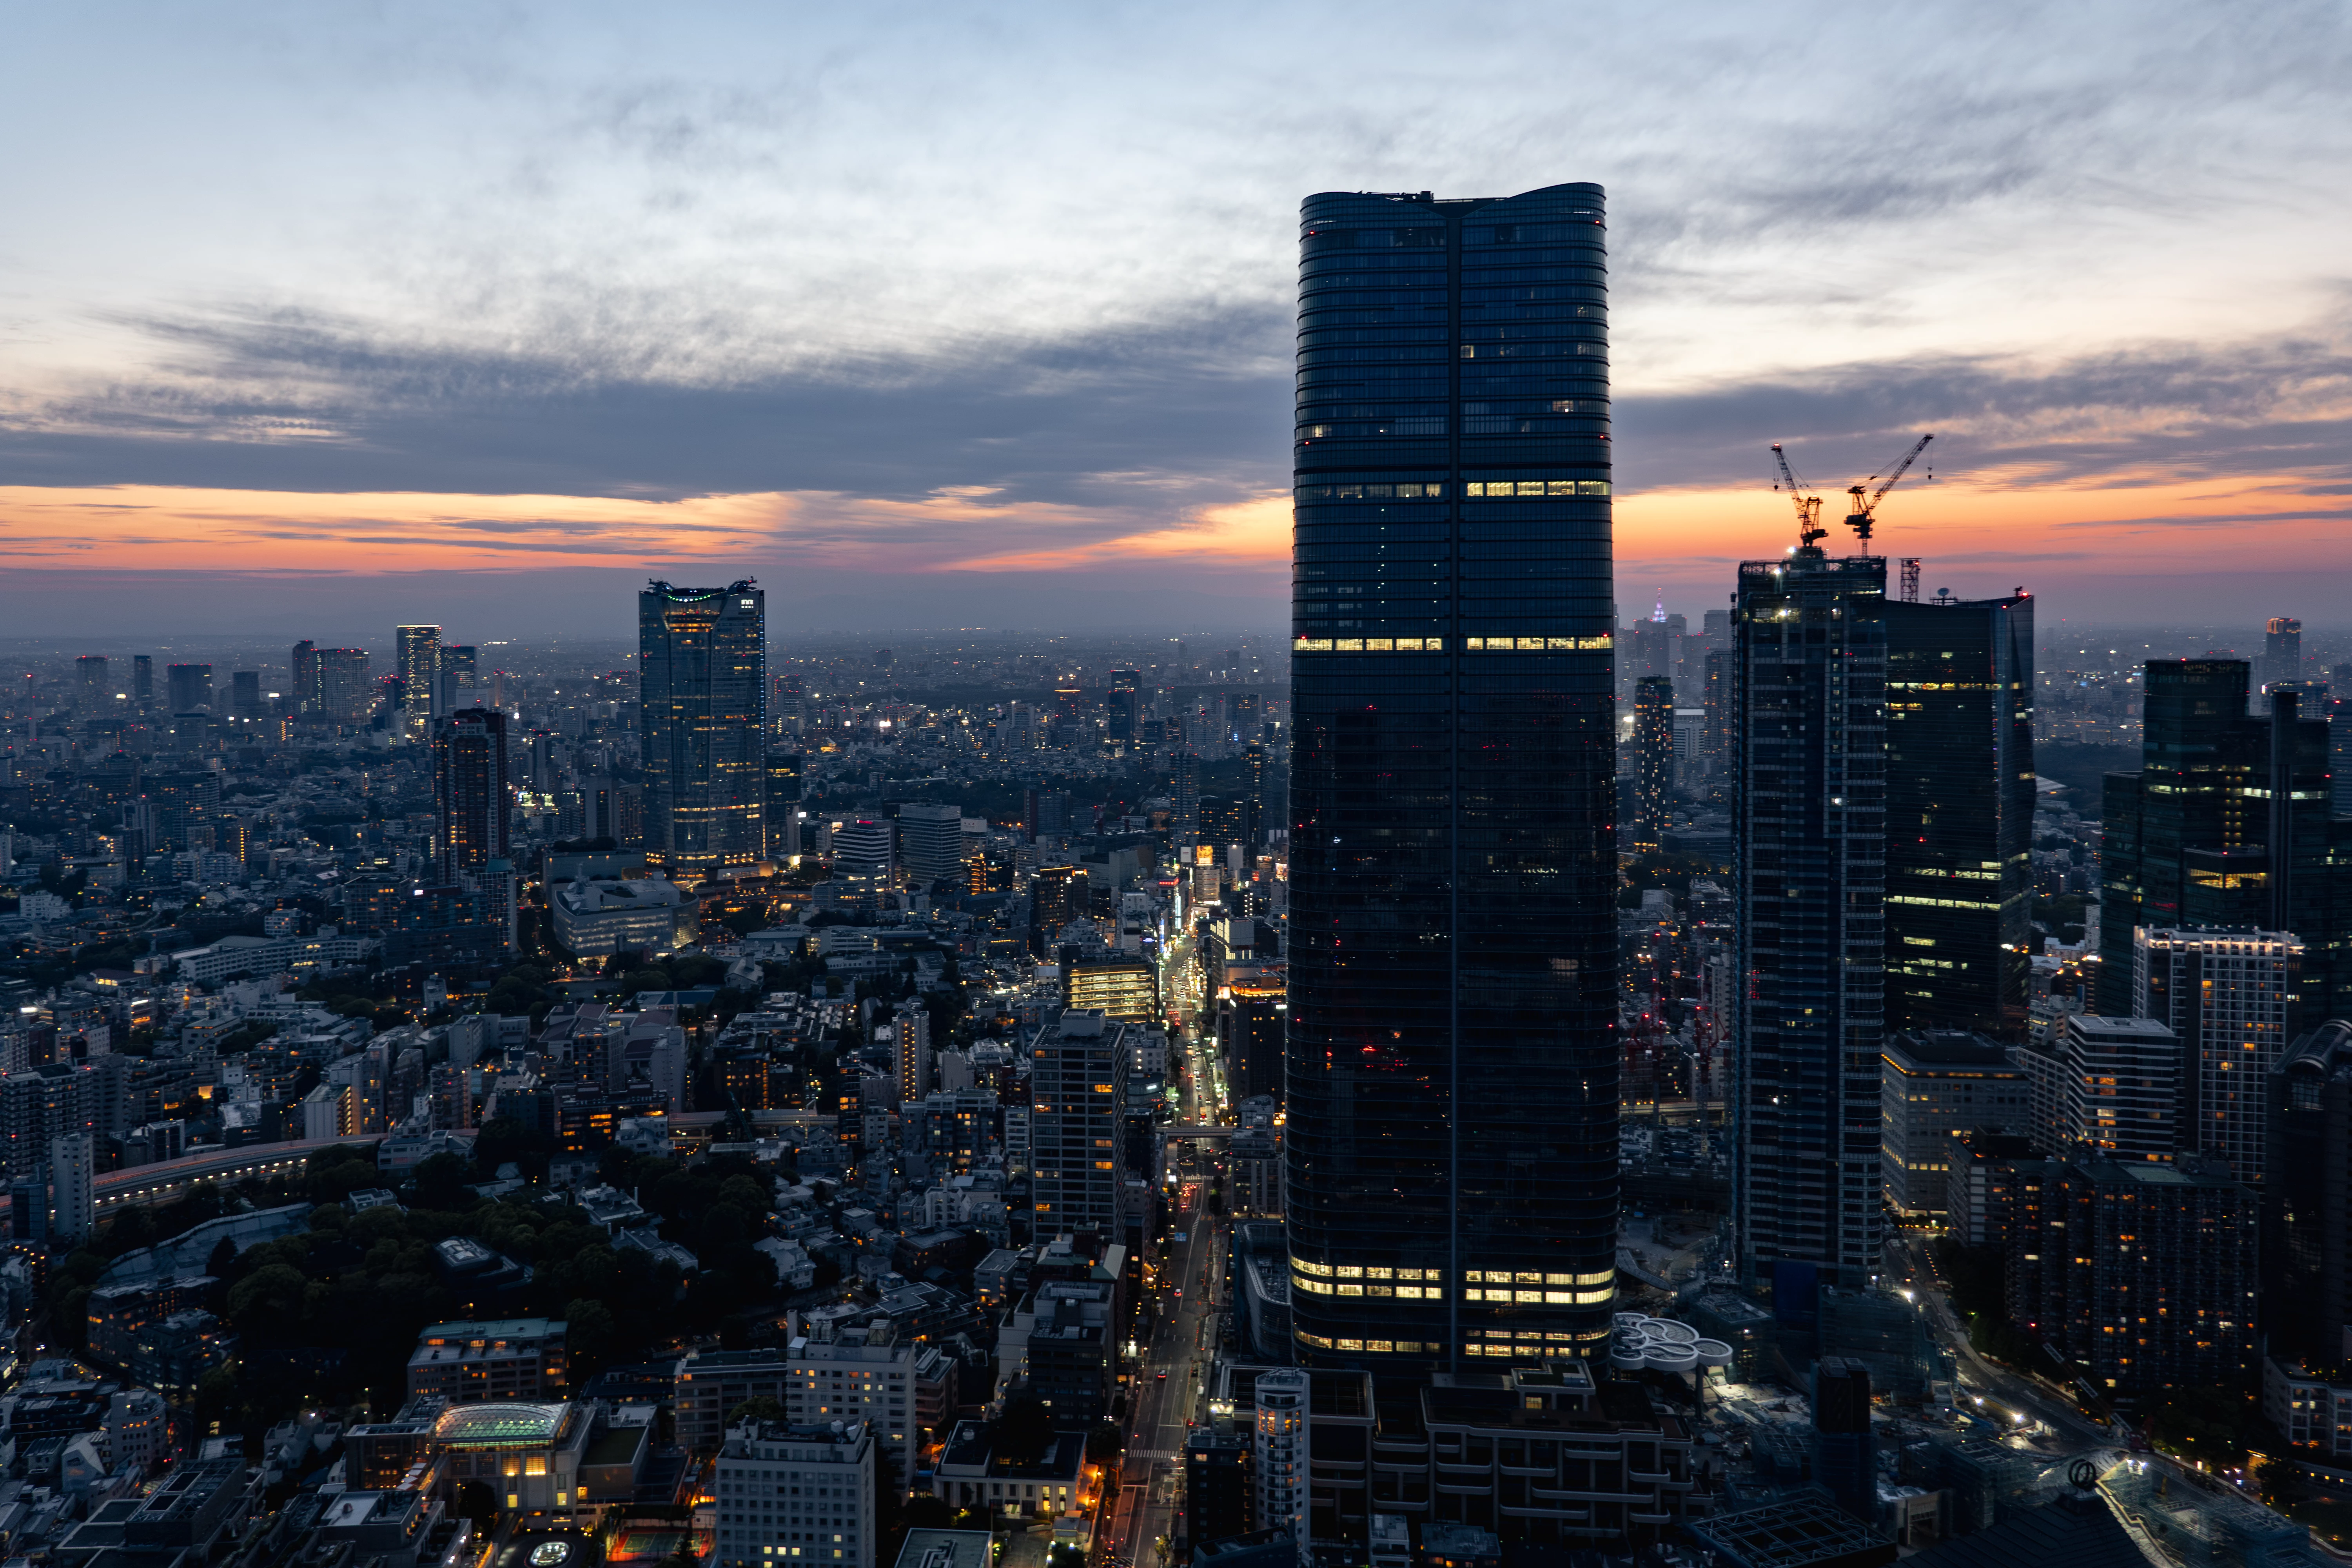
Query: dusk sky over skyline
{"points": [[936, 316]]}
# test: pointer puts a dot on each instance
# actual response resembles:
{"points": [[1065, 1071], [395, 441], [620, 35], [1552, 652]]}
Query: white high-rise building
{"points": [[790, 1496], [2232, 997], [73, 1181], [1279, 1452]]}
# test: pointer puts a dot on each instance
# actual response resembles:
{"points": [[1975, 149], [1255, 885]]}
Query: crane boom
{"points": [[1866, 501], [1809, 507]]}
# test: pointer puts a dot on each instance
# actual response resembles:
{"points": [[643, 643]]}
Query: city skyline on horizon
{"points": [[417, 390]]}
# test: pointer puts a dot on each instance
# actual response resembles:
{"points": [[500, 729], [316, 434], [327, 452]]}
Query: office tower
{"points": [[471, 792], [1124, 711], [1722, 669], [2232, 1000], [782, 818], [1959, 814], [1252, 1016], [453, 687], [143, 680], [1224, 820], [1056, 897], [864, 862], [1077, 1084], [931, 844], [1278, 1452], [73, 1181], [244, 693], [1451, 1141], [303, 694], [1654, 762], [2143, 1274], [1125, 989], [2307, 1244], [1809, 847], [188, 687], [1046, 813], [912, 1023], [1936, 1085], [700, 725], [1184, 795], [1254, 771], [2228, 824], [789, 704], [92, 692], [2121, 1078], [417, 666], [2282, 649], [345, 693]]}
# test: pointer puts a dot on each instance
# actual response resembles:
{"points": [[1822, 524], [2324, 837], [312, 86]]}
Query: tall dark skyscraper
{"points": [[188, 687], [469, 791], [1808, 848], [1654, 761], [416, 665], [1124, 708], [1452, 1078], [92, 694], [2228, 824], [1959, 814], [143, 680], [2282, 650], [703, 655], [305, 695]]}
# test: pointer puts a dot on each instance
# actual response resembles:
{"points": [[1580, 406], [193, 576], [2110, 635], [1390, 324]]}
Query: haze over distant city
{"points": [[447, 315]]}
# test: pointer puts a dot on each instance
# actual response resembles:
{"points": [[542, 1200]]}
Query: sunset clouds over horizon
{"points": [[917, 316]]}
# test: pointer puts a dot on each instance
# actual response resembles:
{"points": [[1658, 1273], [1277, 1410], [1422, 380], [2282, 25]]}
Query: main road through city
{"points": [[1167, 1393]]}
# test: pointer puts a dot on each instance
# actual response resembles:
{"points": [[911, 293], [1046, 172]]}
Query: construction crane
{"points": [[1859, 518], [1809, 507]]}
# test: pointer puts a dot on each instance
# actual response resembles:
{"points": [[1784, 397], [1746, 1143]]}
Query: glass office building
{"points": [[1959, 814], [1451, 1072], [1810, 864], [703, 653]]}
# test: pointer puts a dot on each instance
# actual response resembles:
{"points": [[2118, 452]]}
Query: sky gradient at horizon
{"points": [[983, 317]]}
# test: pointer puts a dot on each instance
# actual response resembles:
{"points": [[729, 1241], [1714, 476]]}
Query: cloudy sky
{"points": [[935, 315]]}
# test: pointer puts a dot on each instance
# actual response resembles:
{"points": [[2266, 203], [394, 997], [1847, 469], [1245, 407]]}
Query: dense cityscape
{"points": [[1490, 1075]]}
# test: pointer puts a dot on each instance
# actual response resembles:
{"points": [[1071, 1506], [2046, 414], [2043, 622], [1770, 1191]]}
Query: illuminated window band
{"points": [[1408, 491], [1378, 1347], [1527, 489], [1601, 644]]}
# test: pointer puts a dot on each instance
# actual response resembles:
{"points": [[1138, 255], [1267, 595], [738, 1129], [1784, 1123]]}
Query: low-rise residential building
{"points": [[498, 1358]]}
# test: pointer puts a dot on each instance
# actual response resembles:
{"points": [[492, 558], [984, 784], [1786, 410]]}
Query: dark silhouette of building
{"points": [[1451, 1178], [2228, 824], [1808, 849], [188, 687], [1654, 762], [701, 724], [1959, 814], [470, 791]]}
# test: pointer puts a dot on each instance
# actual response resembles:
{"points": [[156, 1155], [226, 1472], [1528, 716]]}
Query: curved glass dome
{"points": [[500, 1426]]}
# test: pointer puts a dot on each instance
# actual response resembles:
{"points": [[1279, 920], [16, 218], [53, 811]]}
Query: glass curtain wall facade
{"points": [[1654, 762], [703, 657], [1959, 815], [470, 789], [1452, 1052], [1809, 847]]}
